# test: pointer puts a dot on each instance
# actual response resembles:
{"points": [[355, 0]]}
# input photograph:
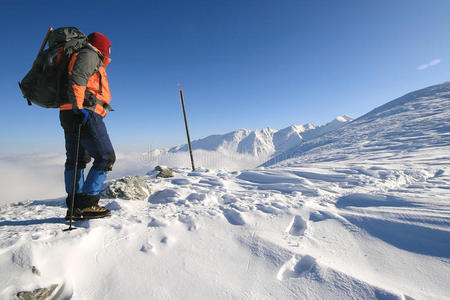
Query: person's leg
{"points": [[69, 170], [70, 134], [97, 143]]}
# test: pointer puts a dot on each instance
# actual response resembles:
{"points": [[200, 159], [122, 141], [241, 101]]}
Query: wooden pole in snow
{"points": [[187, 129]]}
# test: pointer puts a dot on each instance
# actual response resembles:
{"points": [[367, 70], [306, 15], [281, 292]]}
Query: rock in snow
{"points": [[129, 188], [38, 294], [164, 172]]}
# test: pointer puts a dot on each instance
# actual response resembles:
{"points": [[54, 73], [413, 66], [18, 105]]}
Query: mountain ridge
{"points": [[414, 120], [263, 142]]}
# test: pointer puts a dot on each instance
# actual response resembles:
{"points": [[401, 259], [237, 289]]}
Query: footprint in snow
{"points": [[156, 223], [295, 268], [228, 199], [164, 197], [147, 247], [267, 209], [233, 216], [180, 181], [318, 216], [196, 197], [278, 205], [214, 182], [304, 265], [167, 241], [297, 226], [189, 221], [114, 205]]}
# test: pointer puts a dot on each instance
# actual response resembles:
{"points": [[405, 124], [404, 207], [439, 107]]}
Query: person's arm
{"points": [[81, 67]]}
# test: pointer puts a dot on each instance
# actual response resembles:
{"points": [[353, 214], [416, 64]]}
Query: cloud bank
{"points": [[40, 176]]}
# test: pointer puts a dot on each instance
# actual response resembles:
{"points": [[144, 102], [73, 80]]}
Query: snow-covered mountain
{"points": [[263, 142], [413, 121], [361, 212]]}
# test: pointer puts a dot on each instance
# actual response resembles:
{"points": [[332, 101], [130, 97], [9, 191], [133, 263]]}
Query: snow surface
{"points": [[361, 213]]}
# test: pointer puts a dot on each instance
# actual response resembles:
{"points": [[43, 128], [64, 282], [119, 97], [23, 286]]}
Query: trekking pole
{"points": [[187, 130], [74, 177]]}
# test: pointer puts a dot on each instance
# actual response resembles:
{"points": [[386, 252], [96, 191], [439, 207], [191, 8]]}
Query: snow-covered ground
{"points": [[359, 213]]}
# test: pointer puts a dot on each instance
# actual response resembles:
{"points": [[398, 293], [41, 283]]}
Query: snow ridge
{"points": [[417, 120]]}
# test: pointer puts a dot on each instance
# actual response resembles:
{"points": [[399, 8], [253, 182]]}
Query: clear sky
{"points": [[242, 63]]}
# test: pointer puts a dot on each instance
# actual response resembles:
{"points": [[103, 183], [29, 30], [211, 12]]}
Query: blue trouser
{"points": [[94, 142]]}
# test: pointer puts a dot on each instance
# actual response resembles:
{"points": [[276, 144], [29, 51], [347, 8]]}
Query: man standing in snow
{"points": [[88, 98]]}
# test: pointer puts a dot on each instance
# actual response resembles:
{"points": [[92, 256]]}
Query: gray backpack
{"points": [[46, 83]]}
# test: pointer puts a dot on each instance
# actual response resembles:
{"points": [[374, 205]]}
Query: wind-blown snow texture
{"points": [[359, 213]]}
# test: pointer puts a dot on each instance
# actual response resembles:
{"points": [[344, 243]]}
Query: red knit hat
{"points": [[100, 42]]}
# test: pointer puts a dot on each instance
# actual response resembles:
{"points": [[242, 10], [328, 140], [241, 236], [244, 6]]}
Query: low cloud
{"points": [[40, 176], [31, 177]]}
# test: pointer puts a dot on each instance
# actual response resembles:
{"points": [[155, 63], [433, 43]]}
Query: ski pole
{"points": [[74, 177], [187, 130]]}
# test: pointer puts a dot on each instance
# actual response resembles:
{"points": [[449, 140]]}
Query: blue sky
{"points": [[243, 64]]}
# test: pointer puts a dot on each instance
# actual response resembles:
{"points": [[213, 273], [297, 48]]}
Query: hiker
{"points": [[88, 97]]}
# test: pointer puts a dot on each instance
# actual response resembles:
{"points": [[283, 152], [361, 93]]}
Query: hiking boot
{"points": [[91, 212], [76, 200], [86, 207]]}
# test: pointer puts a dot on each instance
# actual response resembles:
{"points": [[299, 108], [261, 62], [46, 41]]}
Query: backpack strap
{"points": [[100, 88], [28, 100]]}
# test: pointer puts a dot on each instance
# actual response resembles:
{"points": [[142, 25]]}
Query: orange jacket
{"points": [[88, 86]]}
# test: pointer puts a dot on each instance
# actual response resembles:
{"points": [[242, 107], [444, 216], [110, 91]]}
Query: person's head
{"points": [[101, 42]]}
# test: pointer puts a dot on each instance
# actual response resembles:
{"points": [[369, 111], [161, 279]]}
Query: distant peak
{"points": [[344, 118]]}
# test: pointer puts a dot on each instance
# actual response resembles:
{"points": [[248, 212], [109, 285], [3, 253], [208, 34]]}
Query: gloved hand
{"points": [[81, 116]]}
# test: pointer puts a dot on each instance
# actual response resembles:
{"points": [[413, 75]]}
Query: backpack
{"points": [[46, 83]]}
